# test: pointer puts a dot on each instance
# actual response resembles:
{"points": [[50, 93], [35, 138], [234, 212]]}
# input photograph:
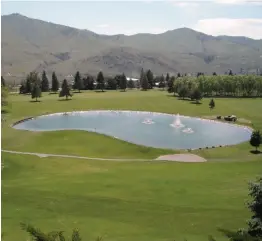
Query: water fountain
{"points": [[148, 121], [177, 122], [188, 130]]}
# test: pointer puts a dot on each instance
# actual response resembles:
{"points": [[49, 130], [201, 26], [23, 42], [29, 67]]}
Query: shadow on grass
{"points": [[195, 103], [4, 111], [53, 93], [76, 92], [100, 91], [64, 99], [34, 101], [256, 152]]}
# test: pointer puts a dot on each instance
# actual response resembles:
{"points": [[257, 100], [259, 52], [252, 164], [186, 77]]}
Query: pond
{"points": [[150, 129]]}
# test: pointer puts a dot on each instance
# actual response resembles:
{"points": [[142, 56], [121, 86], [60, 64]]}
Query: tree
{"points": [[162, 82], [167, 79], [183, 92], [65, 90], [111, 83], [44, 83], [141, 77], [255, 139], [28, 84], [230, 72], [255, 206], [38, 235], [36, 91], [123, 82], [78, 84], [212, 104], [214, 74], [130, 84], [4, 94], [22, 89], [144, 83], [150, 78], [88, 83], [2, 81], [196, 95], [100, 81], [170, 84], [55, 83]]}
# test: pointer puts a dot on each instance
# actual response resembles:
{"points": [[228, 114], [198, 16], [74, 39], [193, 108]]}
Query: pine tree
{"points": [[31, 79], [38, 235], [170, 84], [100, 81], [88, 83], [150, 78], [28, 84], [44, 83], [2, 81], [141, 77], [123, 82], [162, 82], [212, 104], [111, 83], [65, 90], [36, 91], [78, 84], [144, 83], [55, 83], [255, 139], [130, 84], [167, 79]]}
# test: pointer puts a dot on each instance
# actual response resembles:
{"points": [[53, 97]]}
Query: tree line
{"points": [[183, 85], [223, 85]]}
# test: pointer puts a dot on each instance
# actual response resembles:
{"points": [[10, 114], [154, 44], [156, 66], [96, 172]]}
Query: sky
{"points": [[214, 17]]}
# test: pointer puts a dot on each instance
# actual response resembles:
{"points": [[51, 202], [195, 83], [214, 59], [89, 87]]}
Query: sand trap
{"points": [[181, 158]]}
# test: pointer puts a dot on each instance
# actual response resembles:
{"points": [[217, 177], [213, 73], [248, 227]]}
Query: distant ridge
{"points": [[35, 45]]}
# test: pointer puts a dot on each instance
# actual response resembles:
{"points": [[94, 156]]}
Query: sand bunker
{"points": [[181, 158]]}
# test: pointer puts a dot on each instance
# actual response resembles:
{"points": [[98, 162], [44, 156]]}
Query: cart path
{"points": [[173, 157]]}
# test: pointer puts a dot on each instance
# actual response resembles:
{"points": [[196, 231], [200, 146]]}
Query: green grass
{"points": [[123, 200]]}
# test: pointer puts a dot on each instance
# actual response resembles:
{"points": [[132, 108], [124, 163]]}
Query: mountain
{"points": [[31, 44]]}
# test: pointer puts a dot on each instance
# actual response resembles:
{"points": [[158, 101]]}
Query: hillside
{"points": [[31, 44]]}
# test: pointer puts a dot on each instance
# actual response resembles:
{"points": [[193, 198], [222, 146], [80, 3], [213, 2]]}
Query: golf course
{"points": [[119, 200]]}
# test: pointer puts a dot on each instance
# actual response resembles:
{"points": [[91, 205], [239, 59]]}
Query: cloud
{"points": [[192, 3], [238, 2], [234, 27], [184, 4]]}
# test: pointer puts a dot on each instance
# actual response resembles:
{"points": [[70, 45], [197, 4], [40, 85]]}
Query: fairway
{"points": [[123, 200]]}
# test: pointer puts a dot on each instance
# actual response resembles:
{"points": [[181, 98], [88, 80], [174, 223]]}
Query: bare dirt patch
{"points": [[181, 158]]}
